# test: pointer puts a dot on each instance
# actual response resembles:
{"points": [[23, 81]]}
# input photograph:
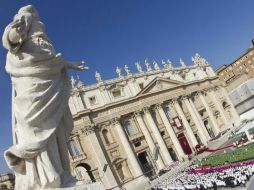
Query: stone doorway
{"points": [[84, 172], [173, 154], [208, 128], [146, 164], [184, 143]]}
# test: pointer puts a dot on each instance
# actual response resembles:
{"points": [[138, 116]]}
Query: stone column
{"points": [[78, 101], [126, 145], [148, 138], [187, 127], [171, 132], [163, 148], [109, 180], [216, 128], [218, 106], [236, 116], [199, 119], [195, 119]]}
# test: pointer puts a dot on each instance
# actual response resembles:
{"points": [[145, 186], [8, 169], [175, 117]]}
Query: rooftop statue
{"points": [[79, 82], [127, 70], [166, 65], [198, 60], [119, 72], [156, 66], [98, 76], [139, 68], [73, 82], [148, 66], [169, 63], [43, 118], [182, 62]]}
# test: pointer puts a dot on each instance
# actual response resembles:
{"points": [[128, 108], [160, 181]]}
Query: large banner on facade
{"points": [[177, 122]]}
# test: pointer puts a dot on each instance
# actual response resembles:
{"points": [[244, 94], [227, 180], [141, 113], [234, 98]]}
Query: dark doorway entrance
{"points": [[184, 143], [209, 130], [146, 165], [198, 139], [173, 154]]}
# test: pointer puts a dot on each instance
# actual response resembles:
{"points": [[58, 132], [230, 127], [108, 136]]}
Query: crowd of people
{"points": [[236, 175], [176, 164]]}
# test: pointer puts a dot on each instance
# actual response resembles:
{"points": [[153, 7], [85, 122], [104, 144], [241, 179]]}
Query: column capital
{"points": [[146, 110], [137, 113], [88, 130], [115, 121], [185, 97], [216, 88], [158, 106], [198, 93], [209, 89], [173, 101]]}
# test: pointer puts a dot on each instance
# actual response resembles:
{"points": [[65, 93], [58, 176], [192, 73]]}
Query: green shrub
{"points": [[231, 156]]}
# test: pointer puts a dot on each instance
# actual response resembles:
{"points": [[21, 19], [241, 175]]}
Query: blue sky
{"points": [[113, 33]]}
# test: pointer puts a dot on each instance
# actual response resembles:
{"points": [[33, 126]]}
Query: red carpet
{"points": [[218, 149]]}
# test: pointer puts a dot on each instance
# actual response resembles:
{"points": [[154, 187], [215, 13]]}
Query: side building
{"points": [[7, 181], [135, 125], [238, 80]]}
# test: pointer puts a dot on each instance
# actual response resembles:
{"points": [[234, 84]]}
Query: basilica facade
{"points": [[130, 127]]}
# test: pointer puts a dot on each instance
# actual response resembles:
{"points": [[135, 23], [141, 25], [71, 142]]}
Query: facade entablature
{"points": [[117, 110], [103, 114], [116, 90]]}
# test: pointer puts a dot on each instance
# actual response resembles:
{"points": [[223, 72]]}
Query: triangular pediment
{"points": [[159, 84]]}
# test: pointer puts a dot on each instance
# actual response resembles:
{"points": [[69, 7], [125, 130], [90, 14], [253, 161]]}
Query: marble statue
{"points": [[198, 60], [148, 66], [169, 63], [79, 82], [73, 82], [127, 70], [98, 76], [182, 62], [119, 72], [139, 68], [43, 118], [156, 66], [166, 64]]}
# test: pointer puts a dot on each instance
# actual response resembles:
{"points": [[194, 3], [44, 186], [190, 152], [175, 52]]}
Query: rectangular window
{"points": [[92, 100], [116, 93], [141, 85], [73, 148]]}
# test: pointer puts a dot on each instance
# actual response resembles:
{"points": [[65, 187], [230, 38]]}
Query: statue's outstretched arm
{"points": [[76, 65]]}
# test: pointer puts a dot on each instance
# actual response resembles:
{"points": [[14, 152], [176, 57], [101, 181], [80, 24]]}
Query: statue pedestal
{"points": [[83, 186]]}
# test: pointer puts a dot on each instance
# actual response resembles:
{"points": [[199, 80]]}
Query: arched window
{"points": [[73, 149], [84, 172], [106, 136], [120, 171], [129, 128]]}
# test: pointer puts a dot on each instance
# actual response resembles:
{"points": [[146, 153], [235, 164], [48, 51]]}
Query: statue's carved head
{"points": [[29, 9]]}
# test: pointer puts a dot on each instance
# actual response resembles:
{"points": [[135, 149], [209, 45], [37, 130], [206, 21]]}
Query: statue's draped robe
{"points": [[40, 105]]}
